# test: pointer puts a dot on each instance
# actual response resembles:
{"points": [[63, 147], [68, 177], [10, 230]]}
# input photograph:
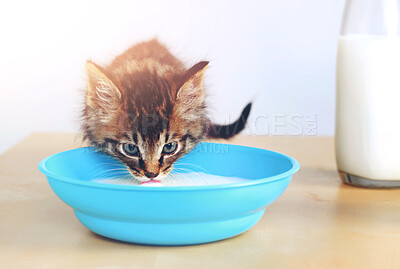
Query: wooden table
{"points": [[317, 223]]}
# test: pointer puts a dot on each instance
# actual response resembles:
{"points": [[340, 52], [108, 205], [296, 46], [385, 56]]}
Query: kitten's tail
{"points": [[227, 131]]}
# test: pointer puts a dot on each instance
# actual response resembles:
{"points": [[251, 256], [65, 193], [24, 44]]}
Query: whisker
{"points": [[191, 179], [187, 165], [113, 169]]}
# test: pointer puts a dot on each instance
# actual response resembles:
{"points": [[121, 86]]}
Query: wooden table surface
{"points": [[317, 223]]}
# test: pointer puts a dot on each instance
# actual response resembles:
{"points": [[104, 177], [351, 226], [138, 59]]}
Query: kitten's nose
{"points": [[151, 175]]}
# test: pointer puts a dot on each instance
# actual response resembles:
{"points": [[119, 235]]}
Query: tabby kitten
{"points": [[148, 110]]}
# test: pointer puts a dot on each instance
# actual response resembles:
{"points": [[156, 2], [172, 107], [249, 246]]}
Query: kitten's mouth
{"points": [[151, 181]]}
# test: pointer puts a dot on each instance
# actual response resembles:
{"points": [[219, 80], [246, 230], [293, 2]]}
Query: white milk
{"points": [[181, 179], [368, 107]]}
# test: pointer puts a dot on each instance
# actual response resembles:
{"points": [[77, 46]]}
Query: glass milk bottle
{"points": [[367, 139]]}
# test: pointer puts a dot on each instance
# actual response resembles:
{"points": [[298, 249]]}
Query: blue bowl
{"points": [[171, 215]]}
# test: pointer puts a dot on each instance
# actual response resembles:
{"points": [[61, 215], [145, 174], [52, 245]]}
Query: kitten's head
{"points": [[147, 118]]}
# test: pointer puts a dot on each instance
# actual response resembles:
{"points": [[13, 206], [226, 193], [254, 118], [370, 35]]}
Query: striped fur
{"points": [[147, 97]]}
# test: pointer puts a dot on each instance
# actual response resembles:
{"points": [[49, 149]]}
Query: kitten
{"points": [[148, 110]]}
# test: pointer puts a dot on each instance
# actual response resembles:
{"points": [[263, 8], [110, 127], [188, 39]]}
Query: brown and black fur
{"points": [[147, 97]]}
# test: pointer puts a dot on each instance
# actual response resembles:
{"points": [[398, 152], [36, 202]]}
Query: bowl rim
{"points": [[295, 167]]}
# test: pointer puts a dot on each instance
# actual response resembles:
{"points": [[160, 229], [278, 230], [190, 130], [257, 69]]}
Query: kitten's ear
{"points": [[192, 94], [101, 91]]}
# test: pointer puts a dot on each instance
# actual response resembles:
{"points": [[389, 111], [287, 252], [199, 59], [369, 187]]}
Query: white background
{"points": [[278, 54]]}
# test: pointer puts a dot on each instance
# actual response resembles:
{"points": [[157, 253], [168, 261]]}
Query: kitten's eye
{"points": [[170, 148], [130, 150]]}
